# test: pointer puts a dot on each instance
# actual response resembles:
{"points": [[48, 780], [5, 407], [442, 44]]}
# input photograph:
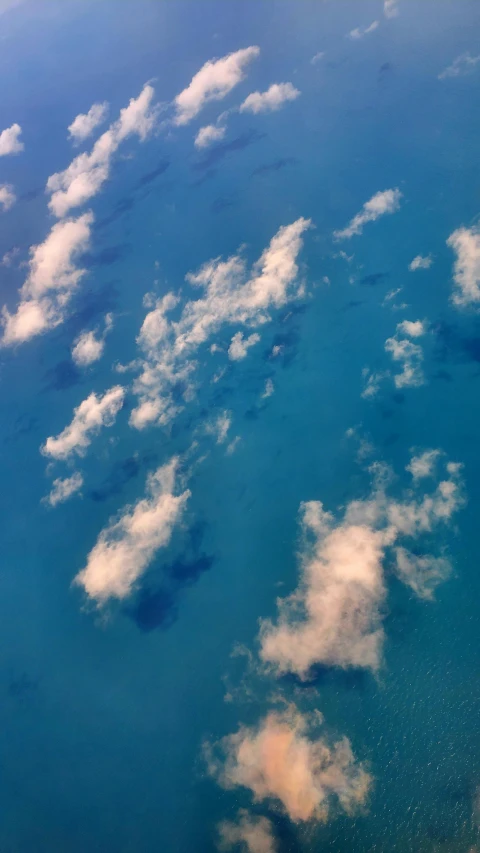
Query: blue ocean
{"points": [[110, 702]]}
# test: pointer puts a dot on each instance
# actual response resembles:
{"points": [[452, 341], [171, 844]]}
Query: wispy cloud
{"points": [[254, 833], [89, 346], [7, 197], [62, 490], [91, 415], [390, 8], [420, 262], [408, 354], [380, 204], [360, 32], [10, 142], [127, 546], [85, 123], [465, 242], [239, 345], [275, 97], [317, 57], [460, 67]]}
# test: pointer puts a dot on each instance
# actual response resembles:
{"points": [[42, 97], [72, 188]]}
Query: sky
{"points": [[239, 350]]}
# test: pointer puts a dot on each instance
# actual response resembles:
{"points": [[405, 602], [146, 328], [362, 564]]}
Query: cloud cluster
{"points": [[126, 547], [335, 615], [408, 354], [63, 489], [7, 197], [239, 345], [10, 142], [380, 204], [462, 65], [213, 82], [255, 834], [465, 242], [52, 279], [85, 123], [89, 347], [360, 32], [275, 96], [87, 173], [277, 760], [231, 296], [89, 417], [420, 263]]}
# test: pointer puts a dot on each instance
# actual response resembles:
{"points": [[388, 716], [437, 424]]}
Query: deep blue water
{"points": [[102, 717]]}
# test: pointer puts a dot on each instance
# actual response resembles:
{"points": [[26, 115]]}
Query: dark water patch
{"points": [[217, 153], [63, 376], [208, 176], [23, 425], [268, 168], [444, 375], [220, 204], [385, 70], [153, 609], [454, 343], [354, 303], [22, 688], [385, 413], [321, 675], [31, 195], [125, 205], [284, 347], [149, 177], [185, 572], [121, 474], [90, 306], [398, 397], [374, 278], [107, 256], [390, 439]]}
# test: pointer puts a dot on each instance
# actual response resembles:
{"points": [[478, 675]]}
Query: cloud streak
{"points": [[273, 99], [85, 123], [89, 417], [465, 242], [381, 203]]}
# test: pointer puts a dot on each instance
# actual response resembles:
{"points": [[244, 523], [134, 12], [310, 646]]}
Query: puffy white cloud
{"points": [[334, 617], [465, 242], [317, 57], [88, 172], [360, 32], [408, 354], [421, 263], [7, 197], [269, 389], [231, 296], [274, 98], [126, 547], [212, 83], [62, 490], [53, 277], [239, 345], [208, 135], [255, 834], [85, 123], [89, 417], [277, 760], [88, 348], [10, 142], [462, 65], [424, 464], [380, 204], [390, 9]]}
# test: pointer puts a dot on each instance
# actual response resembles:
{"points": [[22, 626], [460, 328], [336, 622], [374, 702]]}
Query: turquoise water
{"points": [[102, 717]]}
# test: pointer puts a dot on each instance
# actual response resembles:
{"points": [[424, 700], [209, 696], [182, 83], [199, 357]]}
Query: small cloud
{"points": [[360, 32], [408, 354], [255, 834], [62, 490], [461, 66], [465, 242], [89, 417], [423, 465], [88, 348], [239, 346], [7, 197], [9, 257], [318, 56], [390, 9], [233, 445], [271, 100], [220, 427], [269, 389], [209, 134], [421, 573], [420, 262], [85, 123], [372, 381], [380, 204], [10, 142]]}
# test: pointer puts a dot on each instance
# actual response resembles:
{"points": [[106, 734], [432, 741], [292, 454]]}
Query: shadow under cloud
{"points": [[149, 177], [217, 153], [268, 168], [374, 278], [321, 675], [63, 376], [122, 473], [107, 256]]}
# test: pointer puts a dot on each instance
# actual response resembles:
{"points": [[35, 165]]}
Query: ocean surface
{"points": [[103, 712]]}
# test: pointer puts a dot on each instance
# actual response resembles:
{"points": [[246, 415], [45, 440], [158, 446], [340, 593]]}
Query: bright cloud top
{"points": [[380, 204], [254, 833], [271, 100], [62, 490], [10, 142], [208, 135], [420, 262], [408, 354], [89, 417], [88, 172], [52, 279], [462, 65], [128, 545], [335, 615], [360, 32], [465, 242], [213, 82], [7, 197], [89, 347], [277, 760], [231, 296], [85, 123]]}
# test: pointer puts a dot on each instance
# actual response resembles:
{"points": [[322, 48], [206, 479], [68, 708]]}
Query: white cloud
{"points": [[239, 345], [52, 279], [390, 9], [220, 427], [231, 296], [127, 546], [408, 354], [360, 32], [209, 134], [465, 242], [462, 65], [212, 83], [421, 263], [88, 348], [277, 760], [381, 203], [7, 197], [372, 381], [62, 490], [269, 389], [87, 173], [277, 95], [421, 573], [9, 257], [423, 465], [89, 417], [10, 142], [318, 56], [335, 615], [255, 834], [85, 123]]}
